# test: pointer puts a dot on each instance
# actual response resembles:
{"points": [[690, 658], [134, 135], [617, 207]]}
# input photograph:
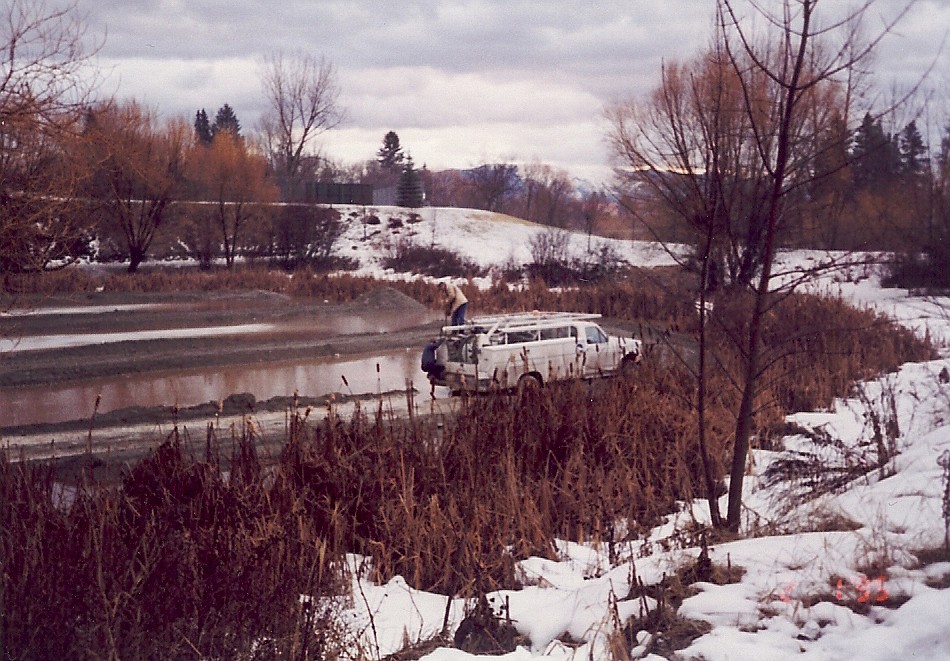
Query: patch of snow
{"points": [[81, 309], [802, 592]]}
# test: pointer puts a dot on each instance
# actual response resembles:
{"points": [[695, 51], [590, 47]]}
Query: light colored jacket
{"points": [[454, 298]]}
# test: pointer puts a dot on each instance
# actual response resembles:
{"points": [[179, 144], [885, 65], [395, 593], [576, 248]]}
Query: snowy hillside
{"points": [[486, 238], [833, 577]]}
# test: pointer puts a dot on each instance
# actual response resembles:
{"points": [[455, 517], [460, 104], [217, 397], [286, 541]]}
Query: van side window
{"points": [[517, 337], [461, 350], [454, 347], [554, 333]]}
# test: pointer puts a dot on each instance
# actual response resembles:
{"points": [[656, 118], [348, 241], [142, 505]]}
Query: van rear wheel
{"points": [[528, 383]]}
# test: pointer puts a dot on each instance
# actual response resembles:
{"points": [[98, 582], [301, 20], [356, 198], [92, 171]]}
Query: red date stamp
{"points": [[856, 590], [862, 590]]}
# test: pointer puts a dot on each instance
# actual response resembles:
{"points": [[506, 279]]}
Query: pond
{"points": [[361, 375]]}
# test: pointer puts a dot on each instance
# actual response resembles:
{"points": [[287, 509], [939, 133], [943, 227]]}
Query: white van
{"points": [[526, 350]]}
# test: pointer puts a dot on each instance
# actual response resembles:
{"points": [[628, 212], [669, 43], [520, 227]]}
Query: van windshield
{"points": [[595, 335]]}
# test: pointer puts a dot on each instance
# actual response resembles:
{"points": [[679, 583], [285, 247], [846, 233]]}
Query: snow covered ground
{"points": [[832, 577], [488, 239]]}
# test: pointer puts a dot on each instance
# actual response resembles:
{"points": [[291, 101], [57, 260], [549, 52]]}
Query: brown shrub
{"points": [[180, 562]]}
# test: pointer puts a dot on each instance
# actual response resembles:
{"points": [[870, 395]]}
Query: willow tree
{"points": [[232, 178], [138, 165], [46, 78], [727, 143]]}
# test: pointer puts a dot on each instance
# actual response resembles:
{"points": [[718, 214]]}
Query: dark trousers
{"points": [[458, 317]]}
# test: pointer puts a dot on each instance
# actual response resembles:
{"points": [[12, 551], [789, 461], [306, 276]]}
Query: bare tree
{"points": [[302, 94], [799, 63], [593, 206], [548, 192], [695, 144], [732, 148], [493, 184], [138, 165], [45, 79]]}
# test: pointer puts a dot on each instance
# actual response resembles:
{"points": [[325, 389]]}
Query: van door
{"points": [[592, 350], [579, 335], [558, 351]]}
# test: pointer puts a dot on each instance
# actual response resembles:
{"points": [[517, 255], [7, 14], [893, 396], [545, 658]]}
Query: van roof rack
{"points": [[519, 321]]}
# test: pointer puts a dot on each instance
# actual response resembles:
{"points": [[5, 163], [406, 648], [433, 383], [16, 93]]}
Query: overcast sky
{"points": [[462, 82]]}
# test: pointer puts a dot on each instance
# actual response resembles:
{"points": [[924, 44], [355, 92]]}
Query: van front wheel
{"points": [[629, 368]]}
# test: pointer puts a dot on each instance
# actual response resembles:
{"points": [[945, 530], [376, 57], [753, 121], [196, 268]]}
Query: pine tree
{"points": [[943, 157], [203, 127], [390, 155], [875, 155], [226, 120], [409, 191], [912, 151]]}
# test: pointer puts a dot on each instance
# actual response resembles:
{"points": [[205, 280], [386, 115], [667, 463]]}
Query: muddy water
{"points": [[375, 374], [62, 328]]}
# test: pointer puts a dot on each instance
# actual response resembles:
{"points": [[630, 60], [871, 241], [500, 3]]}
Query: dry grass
{"points": [[815, 349], [636, 295], [187, 558], [507, 476], [196, 557]]}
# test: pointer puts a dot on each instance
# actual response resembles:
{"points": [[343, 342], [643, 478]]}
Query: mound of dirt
{"points": [[387, 298]]}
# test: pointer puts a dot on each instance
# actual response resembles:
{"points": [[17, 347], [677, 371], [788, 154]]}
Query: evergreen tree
{"points": [[831, 158], [226, 120], [390, 155], [203, 127], [943, 158], [912, 151], [875, 155], [409, 191]]}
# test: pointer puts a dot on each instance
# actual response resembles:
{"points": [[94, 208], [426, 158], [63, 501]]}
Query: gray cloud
{"points": [[524, 78]]}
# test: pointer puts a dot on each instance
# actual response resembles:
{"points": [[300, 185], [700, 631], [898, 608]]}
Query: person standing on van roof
{"points": [[455, 303]]}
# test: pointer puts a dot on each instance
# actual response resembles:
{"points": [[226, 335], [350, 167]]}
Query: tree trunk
{"points": [[136, 257], [710, 478], [776, 198]]}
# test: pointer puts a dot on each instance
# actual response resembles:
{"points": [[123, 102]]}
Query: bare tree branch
{"points": [[45, 80], [302, 93]]}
